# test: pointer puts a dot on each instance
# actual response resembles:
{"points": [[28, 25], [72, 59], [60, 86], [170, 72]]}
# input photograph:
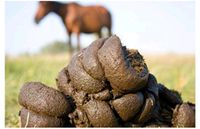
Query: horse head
{"points": [[43, 9]]}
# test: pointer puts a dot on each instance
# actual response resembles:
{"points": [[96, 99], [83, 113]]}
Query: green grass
{"points": [[174, 71]]}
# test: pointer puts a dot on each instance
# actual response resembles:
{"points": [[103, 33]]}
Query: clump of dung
{"points": [[43, 106], [184, 115], [104, 85]]}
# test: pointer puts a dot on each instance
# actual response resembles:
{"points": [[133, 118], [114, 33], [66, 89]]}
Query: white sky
{"points": [[153, 26]]}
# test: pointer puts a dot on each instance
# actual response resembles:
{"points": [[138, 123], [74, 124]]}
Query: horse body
{"points": [[76, 18], [90, 19]]}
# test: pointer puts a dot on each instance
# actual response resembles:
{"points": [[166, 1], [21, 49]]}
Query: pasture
{"points": [[174, 71]]}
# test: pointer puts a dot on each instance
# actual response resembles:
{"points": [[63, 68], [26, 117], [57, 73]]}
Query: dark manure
{"points": [[147, 109], [183, 116], [104, 85], [171, 97], [80, 79], [152, 86], [79, 118], [90, 60], [41, 99], [126, 73], [29, 118], [128, 105], [100, 114]]}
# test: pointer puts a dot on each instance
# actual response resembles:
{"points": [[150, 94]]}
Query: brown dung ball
{"points": [[100, 114], [183, 116], [128, 105], [29, 118], [41, 99], [124, 69], [80, 79]]}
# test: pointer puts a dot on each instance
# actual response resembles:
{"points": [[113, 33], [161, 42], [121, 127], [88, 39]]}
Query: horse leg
{"points": [[109, 31], [70, 44], [99, 34], [78, 41]]}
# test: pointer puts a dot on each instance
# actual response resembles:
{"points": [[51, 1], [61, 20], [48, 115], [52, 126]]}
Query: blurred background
{"points": [[163, 32], [147, 26]]}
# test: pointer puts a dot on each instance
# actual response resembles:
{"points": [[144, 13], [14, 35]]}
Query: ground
{"points": [[174, 71]]}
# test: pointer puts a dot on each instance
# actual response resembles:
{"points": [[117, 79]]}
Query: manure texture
{"points": [[105, 85]]}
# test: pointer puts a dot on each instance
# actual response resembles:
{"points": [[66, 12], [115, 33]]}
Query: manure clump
{"points": [[104, 85]]}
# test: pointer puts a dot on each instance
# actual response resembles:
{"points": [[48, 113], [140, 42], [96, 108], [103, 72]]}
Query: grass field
{"points": [[175, 71]]}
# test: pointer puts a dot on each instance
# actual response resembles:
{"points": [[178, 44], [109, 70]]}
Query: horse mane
{"points": [[61, 3], [74, 3]]}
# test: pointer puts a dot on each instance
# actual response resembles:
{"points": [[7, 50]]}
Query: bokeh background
{"points": [[149, 26], [162, 31]]}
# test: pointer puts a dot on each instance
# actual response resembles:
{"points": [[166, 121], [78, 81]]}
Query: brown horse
{"points": [[76, 18]]}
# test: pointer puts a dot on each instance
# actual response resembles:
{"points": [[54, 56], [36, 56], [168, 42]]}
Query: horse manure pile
{"points": [[104, 85]]}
